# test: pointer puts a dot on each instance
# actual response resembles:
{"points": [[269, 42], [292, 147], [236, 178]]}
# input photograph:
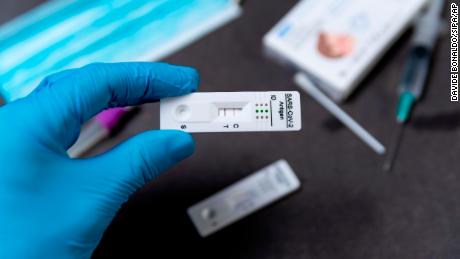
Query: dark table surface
{"points": [[347, 207]]}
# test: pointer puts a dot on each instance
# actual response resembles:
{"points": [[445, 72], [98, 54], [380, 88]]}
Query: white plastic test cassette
{"points": [[243, 198], [232, 111]]}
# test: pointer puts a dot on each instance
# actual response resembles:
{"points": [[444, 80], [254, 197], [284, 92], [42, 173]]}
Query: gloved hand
{"points": [[52, 206]]}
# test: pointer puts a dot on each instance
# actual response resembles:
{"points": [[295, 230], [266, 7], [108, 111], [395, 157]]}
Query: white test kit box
{"points": [[336, 42]]}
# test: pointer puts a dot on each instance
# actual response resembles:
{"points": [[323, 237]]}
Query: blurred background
{"points": [[347, 207]]}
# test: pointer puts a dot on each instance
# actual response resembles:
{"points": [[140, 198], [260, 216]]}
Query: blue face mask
{"points": [[64, 34]]}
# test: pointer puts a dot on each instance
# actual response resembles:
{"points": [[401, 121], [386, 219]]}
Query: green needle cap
{"points": [[406, 101]]}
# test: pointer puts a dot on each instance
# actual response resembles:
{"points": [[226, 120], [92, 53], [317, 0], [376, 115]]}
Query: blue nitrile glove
{"points": [[52, 206]]}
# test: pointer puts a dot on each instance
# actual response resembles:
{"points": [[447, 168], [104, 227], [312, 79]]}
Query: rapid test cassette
{"points": [[232, 111], [243, 198]]}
